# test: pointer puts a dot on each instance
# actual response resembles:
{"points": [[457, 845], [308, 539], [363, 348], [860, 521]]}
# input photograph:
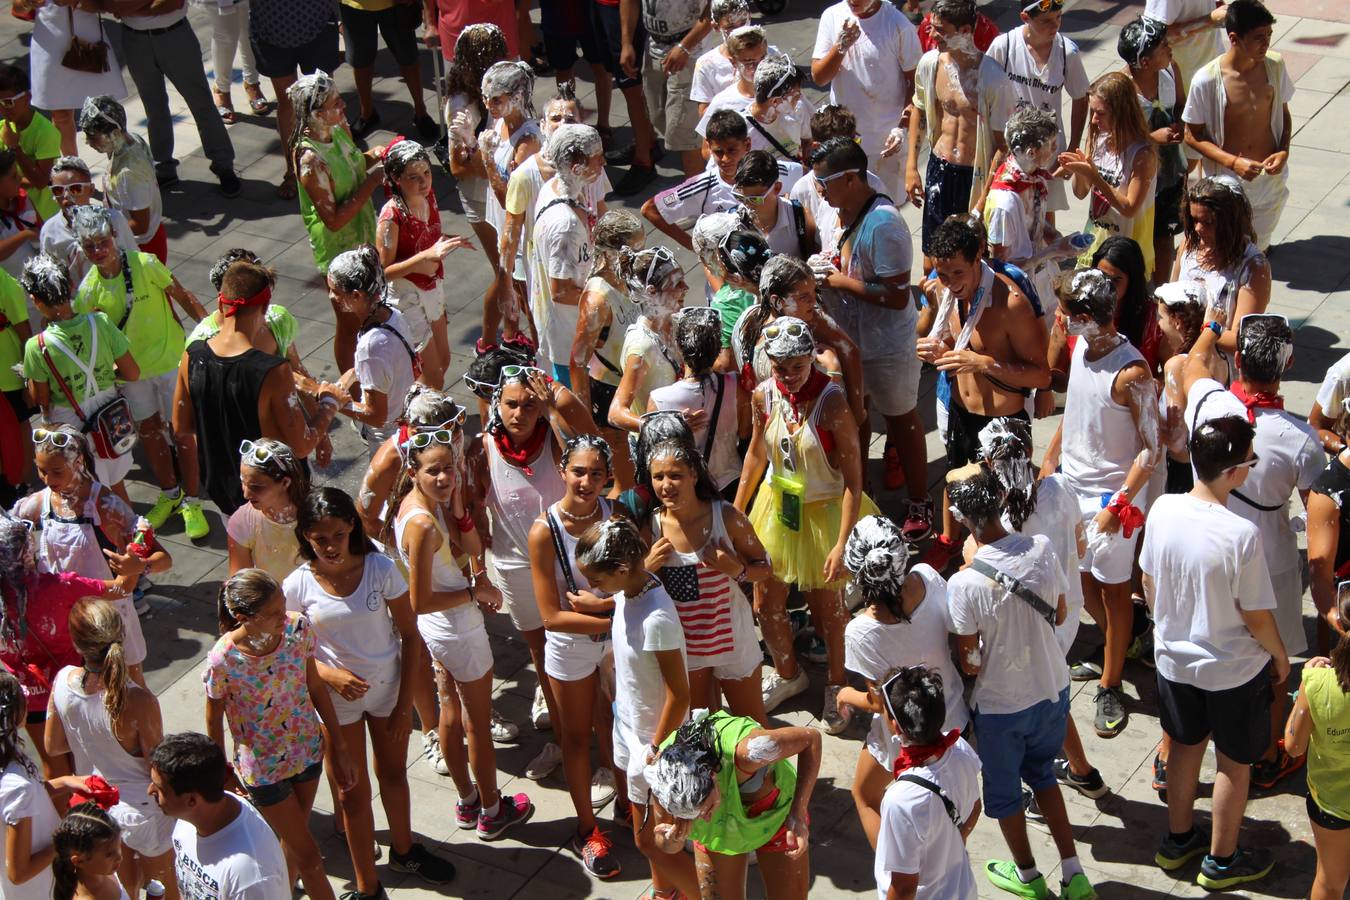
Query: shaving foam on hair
{"points": [[359, 269], [790, 338], [91, 223], [1094, 294], [710, 231], [877, 555], [569, 147], [772, 75], [46, 279], [101, 115], [513, 79]]}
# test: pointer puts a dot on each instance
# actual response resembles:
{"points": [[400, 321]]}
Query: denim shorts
{"points": [[1019, 747], [272, 794]]}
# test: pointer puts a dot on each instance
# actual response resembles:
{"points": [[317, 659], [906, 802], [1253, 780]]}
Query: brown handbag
{"points": [[86, 56]]}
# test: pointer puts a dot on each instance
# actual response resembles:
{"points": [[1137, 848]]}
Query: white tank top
{"points": [[515, 500], [560, 638], [1100, 437], [724, 463], [805, 458], [606, 364], [90, 735], [782, 238], [445, 573]]}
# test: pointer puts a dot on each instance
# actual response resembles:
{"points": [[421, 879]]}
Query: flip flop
{"points": [[226, 114], [287, 189], [259, 104]]}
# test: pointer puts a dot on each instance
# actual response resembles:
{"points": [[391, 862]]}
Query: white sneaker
{"points": [[830, 717], [602, 787], [539, 711], [503, 730], [777, 689], [431, 752], [545, 763]]}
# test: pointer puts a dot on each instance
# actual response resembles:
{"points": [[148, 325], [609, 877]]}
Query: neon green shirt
{"points": [[153, 331], [278, 319], [40, 140], [1329, 748], [76, 335], [346, 171], [14, 308]]}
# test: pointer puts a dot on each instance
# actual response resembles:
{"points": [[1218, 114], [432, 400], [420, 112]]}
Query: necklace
{"points": [[571, 518]]}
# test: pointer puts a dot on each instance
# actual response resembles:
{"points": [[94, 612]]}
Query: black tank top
{"points": [[225, 392]]}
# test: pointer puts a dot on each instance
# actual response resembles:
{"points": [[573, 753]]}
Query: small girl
{"points": [[386, 363], [262, 531], [656, 284], [20, 223], [651, 696], [412, 250], [724, 407], [262, 678], [905, 623], [87, 852], [357, 603]]}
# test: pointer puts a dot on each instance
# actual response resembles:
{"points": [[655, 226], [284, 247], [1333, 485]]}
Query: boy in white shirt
{"points": [[1004, 609], [1217, 648], [714, 71], [1017, 213], [768, 91], [675, 210]]}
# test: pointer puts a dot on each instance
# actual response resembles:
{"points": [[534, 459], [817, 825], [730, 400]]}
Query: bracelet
{"points": [[465, 523], [1216, 327]]}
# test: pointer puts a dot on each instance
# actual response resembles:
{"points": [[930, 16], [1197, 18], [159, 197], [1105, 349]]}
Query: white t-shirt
{"points": [[790, 128], [1335, 389], [918, 837], [871, 79], [701, 195], [1010, 216], [274, 546], [130, 185], [643, 626], [1196, 50], [1041, 87], [384, 364], [242, 861], [560, 248], [714, 72], [24, 796], [724, 462], [1021, 663], [1206, 564], [355, 632], [1057, 517], [875, 650]]}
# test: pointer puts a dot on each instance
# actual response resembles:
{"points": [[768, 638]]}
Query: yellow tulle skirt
{"points": [[798, 557]]}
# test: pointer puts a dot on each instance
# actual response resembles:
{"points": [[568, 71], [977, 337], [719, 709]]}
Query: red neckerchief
{"points": [[231, 305], [96, 790], [1011, 178], [815, 383], [1255, 401], [517, 457], [912, 755]]}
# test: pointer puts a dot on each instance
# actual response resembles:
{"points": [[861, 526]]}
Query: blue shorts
{"points": [[562, 375], [1018, 747], [272, 794]]}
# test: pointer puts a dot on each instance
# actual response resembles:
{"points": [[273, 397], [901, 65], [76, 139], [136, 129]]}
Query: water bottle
{"points": [[154, 890]]}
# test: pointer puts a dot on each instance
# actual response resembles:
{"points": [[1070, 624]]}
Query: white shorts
{"points": [[517, 587], [151, 395], [1110, 558], [419, 307], [573, 660], [630, 754], [891, 383], [1288, 586], [457, 639], [377, 702], [144, 828], [740, 663]]}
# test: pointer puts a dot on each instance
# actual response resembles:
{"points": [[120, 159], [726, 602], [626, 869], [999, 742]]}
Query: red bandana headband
{"points": [[231, 305]]}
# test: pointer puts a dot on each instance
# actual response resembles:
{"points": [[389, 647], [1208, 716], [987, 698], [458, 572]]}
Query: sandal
{"points": [[256, 101], [287, 190], [223, 107]]}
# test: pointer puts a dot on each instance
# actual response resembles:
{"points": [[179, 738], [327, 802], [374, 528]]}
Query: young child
{"points": [[651, 683], [86, 853], [1017, 210], [262, 531], [130, 184], [714, 71], [20, 223], [31, 136]]}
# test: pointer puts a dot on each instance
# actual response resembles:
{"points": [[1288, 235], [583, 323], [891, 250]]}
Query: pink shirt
{"points": [[45, 647]]}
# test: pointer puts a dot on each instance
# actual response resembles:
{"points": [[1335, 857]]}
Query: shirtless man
{"points": [[990, 345], [964, 99], [1237, 115]]}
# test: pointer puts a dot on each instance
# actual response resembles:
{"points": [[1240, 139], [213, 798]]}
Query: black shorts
{"points": [[946, 192], [609, 41], [279, 62], [566, 28], [963, 432], [1238, 719], [1167, 211], [39, 716], [602, 395], [1324, 819], [1180, 477], [18, 401], [398, 24]]}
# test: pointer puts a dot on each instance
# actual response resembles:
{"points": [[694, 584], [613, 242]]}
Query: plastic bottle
{"points": [[154, 890], [143, 541]]}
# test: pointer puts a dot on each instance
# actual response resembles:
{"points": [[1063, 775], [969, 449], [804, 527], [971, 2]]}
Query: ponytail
{"points": [[242, 596], [82, 831], [96, 630]]}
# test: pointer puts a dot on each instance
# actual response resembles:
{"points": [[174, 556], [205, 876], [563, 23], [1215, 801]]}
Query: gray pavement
{"points": [[1117, 835]]}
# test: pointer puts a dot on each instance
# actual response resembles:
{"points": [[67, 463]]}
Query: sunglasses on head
{"points": [[250, 451], [58, 439], [1043, 6], [423, 439], [485, 388], [792, 329], [659, 255]]}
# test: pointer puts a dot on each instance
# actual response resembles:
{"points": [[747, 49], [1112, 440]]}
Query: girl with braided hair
{"points": [[87, 856]]}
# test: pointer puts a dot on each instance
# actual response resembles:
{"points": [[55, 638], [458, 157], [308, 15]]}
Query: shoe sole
{"points": [[492, 836], [1111, 730], [1016, 893], [1090, 794], [1076, 674], [406, 871], [1172, 863], [1223, 884]]}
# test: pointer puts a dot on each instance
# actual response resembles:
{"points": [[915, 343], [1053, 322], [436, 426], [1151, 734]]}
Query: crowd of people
{"points": [[668, 495]]}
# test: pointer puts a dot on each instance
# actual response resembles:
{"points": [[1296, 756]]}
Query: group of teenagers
{"points": [[665, 495]]}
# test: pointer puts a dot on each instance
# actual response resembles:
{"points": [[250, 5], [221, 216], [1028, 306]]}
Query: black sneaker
{"points": [[1247, 866], [230, 185], [624, 156], [357, 895], [1111, 715], [1030, 806], [166, 180], [364, 126], [1089, 785], [1160, 776], [1173, 855], [418, 861], [426, 126], [634, 180]]}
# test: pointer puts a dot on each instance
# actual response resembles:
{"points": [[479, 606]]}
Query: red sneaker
{"points": [[941, 553], [918, 521], [893, 474]]}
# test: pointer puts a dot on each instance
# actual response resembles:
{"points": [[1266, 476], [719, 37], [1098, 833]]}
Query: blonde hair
{"points": [[1128, 126], [96, 631]]}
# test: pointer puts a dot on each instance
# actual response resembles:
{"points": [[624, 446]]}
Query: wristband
{"points": [[464, 523], [1216, 327], [1129, 515]]}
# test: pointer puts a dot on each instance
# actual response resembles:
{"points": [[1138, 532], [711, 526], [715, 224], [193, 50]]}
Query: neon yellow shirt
{"points": [[76, 335], [155, 335], [40, 140], [14, 308]]}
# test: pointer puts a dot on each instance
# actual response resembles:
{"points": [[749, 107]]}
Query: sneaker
{"points": [[834, 721], [544, 763], [941, 553], [1111, 715], [195, 525], [816, 651], [634, 180], [1087, 669], [504, 730], [230, 185], [166, 505], [138, 599], [595, 852], [1089, 785], [1002, 874], [624, 156], [777, 689], [918, 522], [1160, 776], [425, 865], [1031, 807], [466, 814], [1172, 855], [511, 811], [1077, 888], [426, 126], [603, 786], [357, 895], [365, 125], [1267, 772], [166, 180], [892, 473], [431, 752], [1247, 866], [539, 711]]}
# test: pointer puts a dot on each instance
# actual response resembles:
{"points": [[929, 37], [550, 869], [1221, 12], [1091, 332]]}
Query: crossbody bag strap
{"points": [[799, 225], [941, 795], [1017, 588], [412, 354], [783, 151], [712, 423], [1253, 504], [1195, 419], [90, 379], [560, 548]]}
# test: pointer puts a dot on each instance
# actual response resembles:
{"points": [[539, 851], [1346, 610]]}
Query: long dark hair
{"points": [[1134, 309], [476, 49], [83, 829], [13, 713], [1232, 220], [1340, 654], [322, 503]]}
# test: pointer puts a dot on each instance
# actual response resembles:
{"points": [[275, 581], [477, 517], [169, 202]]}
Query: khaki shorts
{"points": [[674, 115]]}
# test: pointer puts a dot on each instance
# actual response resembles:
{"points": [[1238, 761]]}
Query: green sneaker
{"points": [[164, 507], [1077, 888], [194, 520], [1002, 874]]}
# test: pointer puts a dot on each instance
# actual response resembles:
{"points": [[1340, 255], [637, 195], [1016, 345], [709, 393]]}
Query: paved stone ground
{"points": [[1117, 835]]}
